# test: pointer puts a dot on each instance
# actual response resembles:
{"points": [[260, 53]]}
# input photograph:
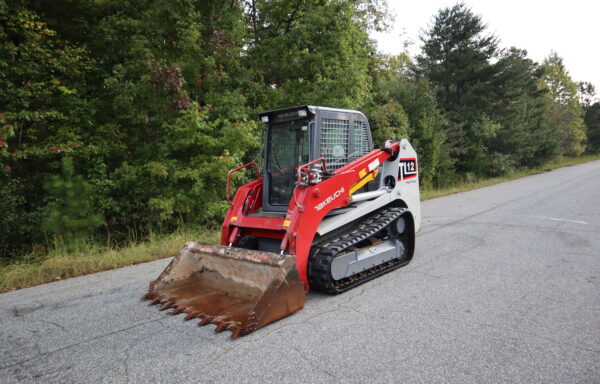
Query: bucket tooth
{"points": [[178, 310], [204, 321], [166, 305], [221, 327], [236, 333], [146, 296], [155, 301], [190, 316]]}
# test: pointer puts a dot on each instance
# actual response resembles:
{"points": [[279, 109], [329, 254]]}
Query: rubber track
{"points": [[324, 251]]}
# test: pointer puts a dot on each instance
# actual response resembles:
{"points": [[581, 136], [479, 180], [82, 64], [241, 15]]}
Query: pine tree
{"points": [[456, 59], [526, 138], [70, 213]]}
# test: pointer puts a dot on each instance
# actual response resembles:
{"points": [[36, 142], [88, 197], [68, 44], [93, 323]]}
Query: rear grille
{"points": [[336, 146], [360, 140], [334, 142]]}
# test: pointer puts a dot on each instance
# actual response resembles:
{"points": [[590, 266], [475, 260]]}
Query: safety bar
{"points": [[235, 170]]}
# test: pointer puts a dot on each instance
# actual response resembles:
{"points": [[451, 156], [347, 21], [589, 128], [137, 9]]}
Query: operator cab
{"points": [[295, 136]]}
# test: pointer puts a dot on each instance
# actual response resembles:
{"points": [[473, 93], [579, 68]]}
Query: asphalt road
{"points": [[504, 287]]}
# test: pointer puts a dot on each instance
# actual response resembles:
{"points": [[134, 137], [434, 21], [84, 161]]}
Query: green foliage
{"points": [[70, 212], [592, 121], [43, 116], [20, 222], [501, 113], [179, 119], [521, 109], [43, 112], [388, 122], [129, 114], [565, 112], [457, 59], [310, 52], [403, 105], [587, 93]]}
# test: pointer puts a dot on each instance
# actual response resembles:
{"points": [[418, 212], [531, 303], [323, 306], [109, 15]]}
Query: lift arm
{"points": [[312, 200]]}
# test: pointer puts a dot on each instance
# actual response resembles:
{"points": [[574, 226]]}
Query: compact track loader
{"points": [[328, 213]]}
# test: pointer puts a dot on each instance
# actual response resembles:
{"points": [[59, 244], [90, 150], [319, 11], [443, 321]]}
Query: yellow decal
{"points": [[363, 181], [286, 223], [233, 218], [362, 173]]}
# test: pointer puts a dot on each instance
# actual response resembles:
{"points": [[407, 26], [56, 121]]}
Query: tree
{"points": [[404, 105], [456, 59], [526, 138], [565, 112], [498, 108], [70, 213], [587, 93], [178, 118], [456, 55], [592, 121], [309, 52], [43, 117], [146, 99]]}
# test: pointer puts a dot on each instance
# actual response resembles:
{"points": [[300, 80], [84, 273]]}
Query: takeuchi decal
{"points": [[329, 199], [408, 169]]}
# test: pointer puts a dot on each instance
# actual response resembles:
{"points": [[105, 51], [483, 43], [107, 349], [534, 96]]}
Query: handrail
{"points": [[304, 168], [307, 170], [235, 170]]}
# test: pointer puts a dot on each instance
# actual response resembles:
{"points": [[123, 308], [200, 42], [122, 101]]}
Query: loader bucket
{"points": [[237, 289]]}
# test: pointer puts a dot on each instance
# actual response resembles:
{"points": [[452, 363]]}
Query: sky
{"points": [[571, 28]]}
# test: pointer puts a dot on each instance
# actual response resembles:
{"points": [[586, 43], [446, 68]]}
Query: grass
{"points": [[60, 263]]}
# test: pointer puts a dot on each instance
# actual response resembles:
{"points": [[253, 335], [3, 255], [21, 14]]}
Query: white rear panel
{"points": [[405, 170]]}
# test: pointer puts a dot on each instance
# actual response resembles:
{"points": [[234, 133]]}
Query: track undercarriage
{"points": [[366, 235]]}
